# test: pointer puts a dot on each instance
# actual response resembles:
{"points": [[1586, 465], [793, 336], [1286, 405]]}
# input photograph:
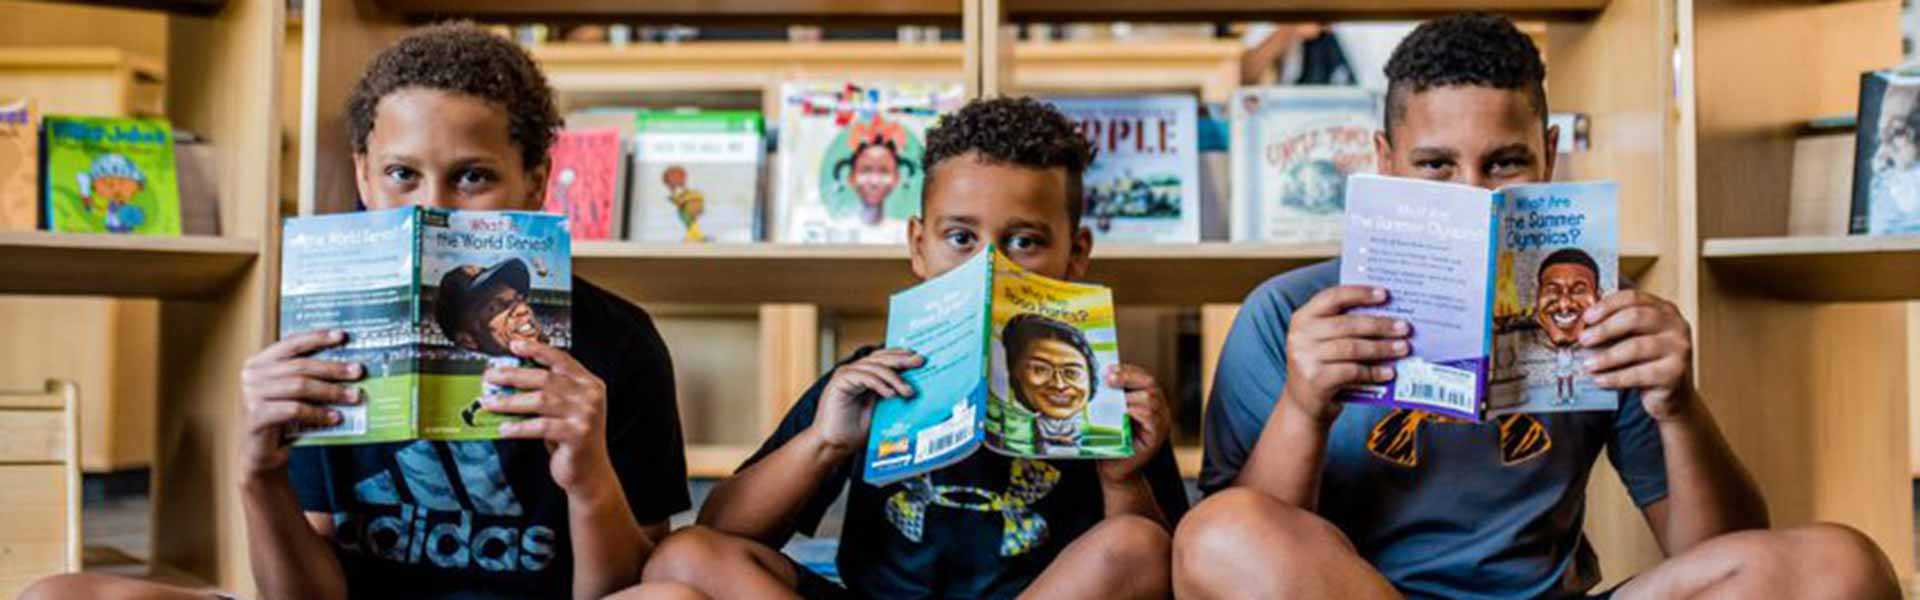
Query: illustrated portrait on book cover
{"points": [[688, 203], [1893, 164], [873, 171], [1051, 367], [1567, 284], [487, 309]]}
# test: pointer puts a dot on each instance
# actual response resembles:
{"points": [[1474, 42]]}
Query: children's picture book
{"points": [[1886, 172], [586, 181], [1293, 149], [851, 168], [1493, 282], [19, 164], [430, 298], [696, 176], [110, 175], [1144, 183], [1014, 362]]}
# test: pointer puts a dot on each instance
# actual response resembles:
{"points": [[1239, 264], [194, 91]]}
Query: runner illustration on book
{"points": [[1569, 284], [110, 185], [1052, 366], [875, 166], [688, 201], [486, 311]]}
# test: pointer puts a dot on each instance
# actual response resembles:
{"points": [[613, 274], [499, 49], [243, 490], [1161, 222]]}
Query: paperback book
{"points": [[851, 168], [1494, 284], [430, 298], [697, 176], [1144, 183], [110, 175], [19, 165], [1013, 363], [1886, 172], [586, 182], [1293, 148]]}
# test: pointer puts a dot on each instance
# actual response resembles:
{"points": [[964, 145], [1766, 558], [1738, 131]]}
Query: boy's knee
{"points": [[1133, 542], [1841, 559], [1238, 525], [686, 554], [59, 587], [75, 586]]}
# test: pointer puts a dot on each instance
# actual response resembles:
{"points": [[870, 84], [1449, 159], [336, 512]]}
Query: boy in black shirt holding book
{"points": [[1006, 172], [570, 504]]}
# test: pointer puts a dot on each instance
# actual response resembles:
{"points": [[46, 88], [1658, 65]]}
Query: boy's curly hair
{"points": [[1473, 49], [1017, 131], [461, 58]]}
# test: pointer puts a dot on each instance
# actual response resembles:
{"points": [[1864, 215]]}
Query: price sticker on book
{"points": [[1420, 382]]}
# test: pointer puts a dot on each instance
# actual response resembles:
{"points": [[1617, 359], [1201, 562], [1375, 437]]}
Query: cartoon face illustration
{"points": [[112, 179], [1569, 284], [1899, 146], [487, 310], [875, 172], [675, 177], [1049, 365]]}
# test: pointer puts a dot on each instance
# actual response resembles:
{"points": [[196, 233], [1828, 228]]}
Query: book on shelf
{"points": [[1293, 148], [1144, 183], [1886, 172], [696, 176], [1493, 282], [851, 168], [586, 182], [109, 175], [430, 299], [19, 164], [199, 184], [1013, 363]]}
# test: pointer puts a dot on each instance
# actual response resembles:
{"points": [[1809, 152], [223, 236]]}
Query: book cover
{"points": [[430, 298], [19, 165], [1493, 282], [1144, 183], [697, 176], [1013, 363], [850, 167], [110, 175], [585, 182], [1886, 173], [1293, 148]]}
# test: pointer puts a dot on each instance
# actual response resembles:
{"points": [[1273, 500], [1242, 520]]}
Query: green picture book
{"points": [[430, 299], [110, 175]]}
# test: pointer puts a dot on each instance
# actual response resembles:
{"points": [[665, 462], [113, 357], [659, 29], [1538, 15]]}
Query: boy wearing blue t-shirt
{"points": [[1002, 171], [1313, 499]]}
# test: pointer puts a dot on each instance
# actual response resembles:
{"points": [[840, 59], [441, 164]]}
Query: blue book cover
{"points": [[1886, 172], [1493, 282], [1144, 183]]}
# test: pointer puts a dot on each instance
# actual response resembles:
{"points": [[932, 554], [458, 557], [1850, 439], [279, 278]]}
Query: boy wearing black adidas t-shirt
{"points": [[1001, 171]]}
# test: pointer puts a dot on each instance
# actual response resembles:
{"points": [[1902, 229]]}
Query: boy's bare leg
{"points": [[1819, 561], [659, 591], [721, 566], [1122, 557], [1240, 543], [89, 586]]}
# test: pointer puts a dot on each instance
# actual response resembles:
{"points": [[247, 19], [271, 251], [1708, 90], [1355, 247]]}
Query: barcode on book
{"points": [[939, 439], [353, 421], [1440, 386]]}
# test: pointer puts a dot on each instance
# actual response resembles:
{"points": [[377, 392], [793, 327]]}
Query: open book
{"points": [[1014, 361], [430, 298], [1494, 284]]}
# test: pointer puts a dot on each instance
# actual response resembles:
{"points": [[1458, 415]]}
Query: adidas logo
{"points": [[431, 520]]}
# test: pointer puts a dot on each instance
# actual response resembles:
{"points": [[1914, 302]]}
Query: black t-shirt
{"points": [[485, 519], [982, 528]]}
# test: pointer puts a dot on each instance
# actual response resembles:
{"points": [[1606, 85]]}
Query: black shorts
{"points": [[813, 586], [1608, 594]]}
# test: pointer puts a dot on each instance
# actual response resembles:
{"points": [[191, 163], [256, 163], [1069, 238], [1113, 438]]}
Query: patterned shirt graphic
{"points": [[1443, 508], [982, 528]]}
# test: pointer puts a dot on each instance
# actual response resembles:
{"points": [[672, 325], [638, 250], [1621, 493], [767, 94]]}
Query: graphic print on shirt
{"points": [[1022, 529], [1395, 438], [454, 514]]}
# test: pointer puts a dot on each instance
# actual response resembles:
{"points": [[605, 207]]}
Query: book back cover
{"points": [[696, 176], [1293, 149], [1052, 341], [488, 279], [111, 175], [1144, 183], [19, 164], [356, 272], [1886, 180], [851, 168], [1431, 246], [945, 321], [584, 181], [1558, 254]]}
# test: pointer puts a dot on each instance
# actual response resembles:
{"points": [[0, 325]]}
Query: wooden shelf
{"points": [[1825, 269], [38, 262], [861, 277], [684, 11], [714, 461], [198, 8], [1069, 10]]}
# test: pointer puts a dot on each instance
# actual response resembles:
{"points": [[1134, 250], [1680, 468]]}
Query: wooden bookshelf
{"points": [[1820, 269], [197, 8], [695, 11], [686, 11], [187, 267]]}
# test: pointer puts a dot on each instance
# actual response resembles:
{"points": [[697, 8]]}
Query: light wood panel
{"points": [[1210, 69], [687, 11], [716, 369], [27, 25], [789, 357], [122, 265], [86, 80], [1823, 269], [39, 483], [1134, 10], [107, 348], [339, 37]]}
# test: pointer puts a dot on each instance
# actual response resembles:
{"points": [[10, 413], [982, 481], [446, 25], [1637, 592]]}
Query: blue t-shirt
{"points": [[484, 519], [982, 528], [1442, 509]]}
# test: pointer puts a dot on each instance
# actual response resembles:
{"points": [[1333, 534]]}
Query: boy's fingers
{"points": [[1362, 350], [894, 384], [1624, 354], [543, 428], [553, 358], [1130, 378], [310, 390], [1339, 299], [1352, 326], [326, 370], [299, 344], [518, 377], [529, 403], [894, 359], [273, 414], [1644, 375], [1628, 321], [857, 382], [1612, 303]]}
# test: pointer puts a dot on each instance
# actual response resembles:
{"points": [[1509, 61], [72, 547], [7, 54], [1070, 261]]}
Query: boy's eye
{"points": [[1508, 166], [401, 175], [960, 238], [474, 177], [1023, 243]]}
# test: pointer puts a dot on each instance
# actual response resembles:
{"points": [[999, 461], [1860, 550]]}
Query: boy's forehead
{"points": [[968, 189], [435, 117], [1465, 117]]}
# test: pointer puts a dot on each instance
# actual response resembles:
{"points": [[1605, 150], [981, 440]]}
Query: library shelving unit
{"points": [[214, 290]]}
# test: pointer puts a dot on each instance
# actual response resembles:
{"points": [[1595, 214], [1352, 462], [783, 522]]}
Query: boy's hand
{"points": [[1147, 408], [1327, 349], [282, 388], [567, 406], [846, 409], [1651, 350]]}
